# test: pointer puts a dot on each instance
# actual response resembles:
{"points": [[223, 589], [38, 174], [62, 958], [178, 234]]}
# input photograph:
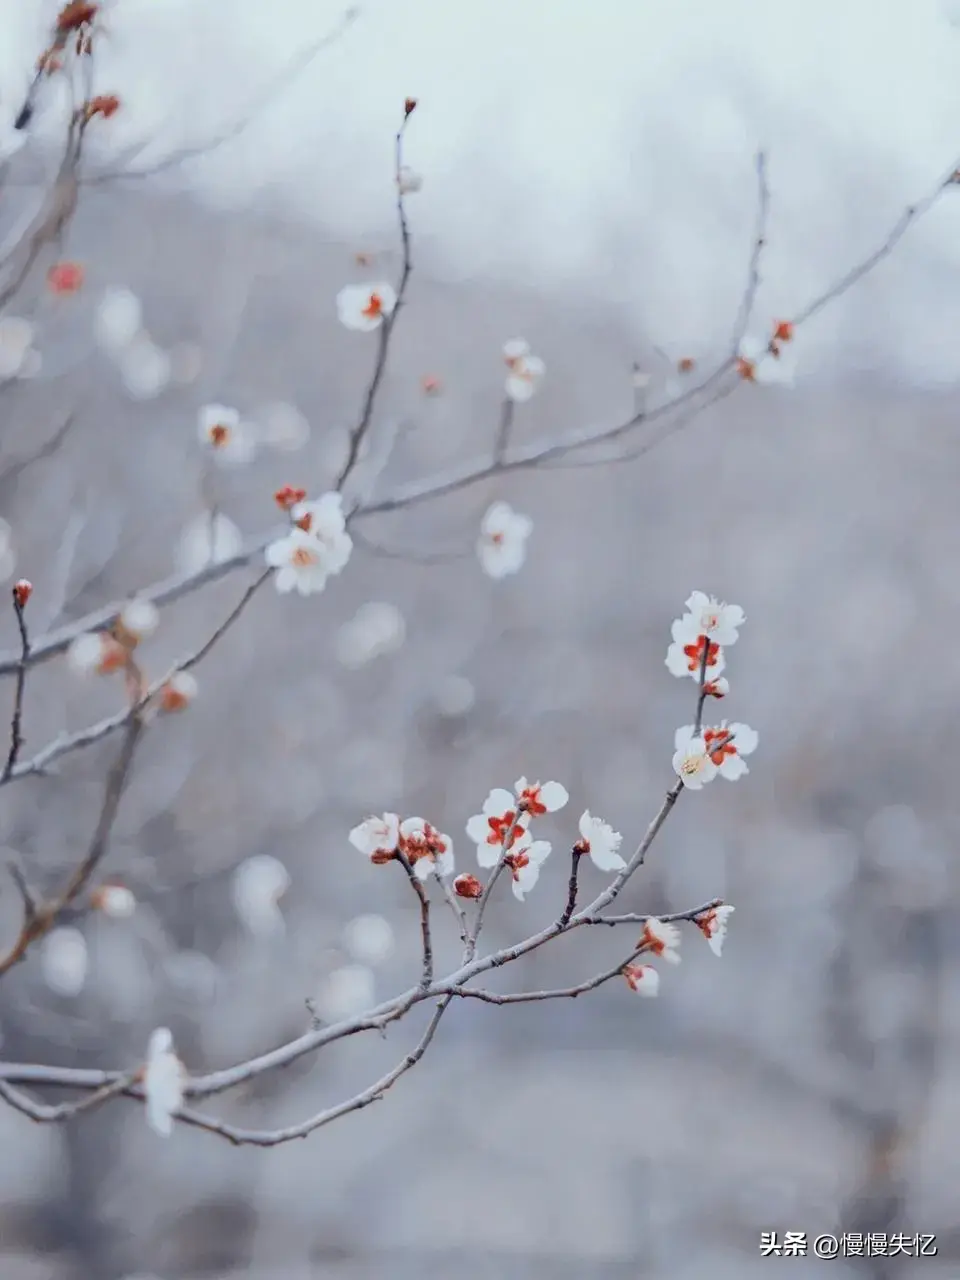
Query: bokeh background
{"points": [[588, 184]]}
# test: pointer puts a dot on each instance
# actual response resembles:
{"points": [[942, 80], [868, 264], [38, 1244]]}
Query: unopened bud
{"points": [[467, 886], [409, 106], [22, 591], [783, 331], [686, 364], [179, 691], [287, 496]]}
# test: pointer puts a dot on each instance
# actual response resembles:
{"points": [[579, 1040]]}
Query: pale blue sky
{"points": [[607, 143]]}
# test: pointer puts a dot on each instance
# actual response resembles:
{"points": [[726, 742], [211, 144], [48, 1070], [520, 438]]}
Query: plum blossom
{"points": [[601, 842], [222, 430], [377, 838], [363, 307], [138, 619], [163, 1082], [258, 885], [685, 656], [118, 319], [661, 939], [502, 545], [540, 798], [114, 900], [691, 760], [766, 361], [145, 368], [467, 886], [718, 688], [713, 618], [64, 961], [209, 538], [642, 978], [65, 277], [728, 756], [525, 370], [713, 925], [324, 521], [96, 651], [428, 850], [346, 992], [369, 939], [524, 861], [409, 181], [301, 561], [490, 828], [18, 359], [178, 692]]}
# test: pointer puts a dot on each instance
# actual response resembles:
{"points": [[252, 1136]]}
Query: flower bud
{"points": [[22, 591], [467, 886]]}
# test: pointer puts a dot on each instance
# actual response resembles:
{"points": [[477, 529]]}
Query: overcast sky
{"points": [[607, 143]]}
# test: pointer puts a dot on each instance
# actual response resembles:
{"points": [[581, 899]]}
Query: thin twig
{"points": [[426, 976], [742, 322], [359, 432], [16, 730], [504, 427], [572, 885]]}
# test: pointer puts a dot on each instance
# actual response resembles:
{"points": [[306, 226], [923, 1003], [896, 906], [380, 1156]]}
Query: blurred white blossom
{"points": [[18, 358], [64, 960], [369, 939], [258, 885], [346, 992], [525, 371], [713, 925], [118, 319], [284, 427], [364, 306], [376, 629], [163, 1081], [642, 978], [144, 368], [502, 545], [230, 440], [454, 695], [207, 539]]}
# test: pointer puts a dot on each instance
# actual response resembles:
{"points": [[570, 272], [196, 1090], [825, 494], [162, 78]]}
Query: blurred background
{"points": [[808, 1081]]}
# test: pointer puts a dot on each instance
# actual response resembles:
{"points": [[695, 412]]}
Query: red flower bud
{"points": [[467, 887], [22, 591]]}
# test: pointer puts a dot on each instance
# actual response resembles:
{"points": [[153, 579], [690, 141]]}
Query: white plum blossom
{"points": [[178, 692], [524, 861], [713, 618], [301, 561], [18, 359], [145, 369], [409, 181], [163, 1082], [118, 319], [728, 756], [209, 538], [502, 545], [115, 901], [661, 939], [541, 797], [686, 654], [601, 842], [96, 652], [767, 362], [258, 885], [717, 688], [642, 978], [221, 429], [364, 306], [139, 619], [377, 838], [369, 939], [490, 828], [347, 991], [284, 427], [713, 925], [427, 850], [378, 628], [525, 370], [64, 961], [324, 520], [691, 760]]}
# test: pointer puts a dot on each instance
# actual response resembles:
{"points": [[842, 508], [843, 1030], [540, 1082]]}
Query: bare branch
{"points": [[293, 68], [425, 937], [359, 432], [16, 733]]}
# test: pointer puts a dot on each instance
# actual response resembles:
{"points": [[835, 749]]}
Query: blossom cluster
{"points": [[700, 637]]}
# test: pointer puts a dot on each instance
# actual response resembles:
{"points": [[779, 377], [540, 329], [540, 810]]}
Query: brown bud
{"points": [[409, 106], [22, 591], [467, 886], [686, 364]]}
